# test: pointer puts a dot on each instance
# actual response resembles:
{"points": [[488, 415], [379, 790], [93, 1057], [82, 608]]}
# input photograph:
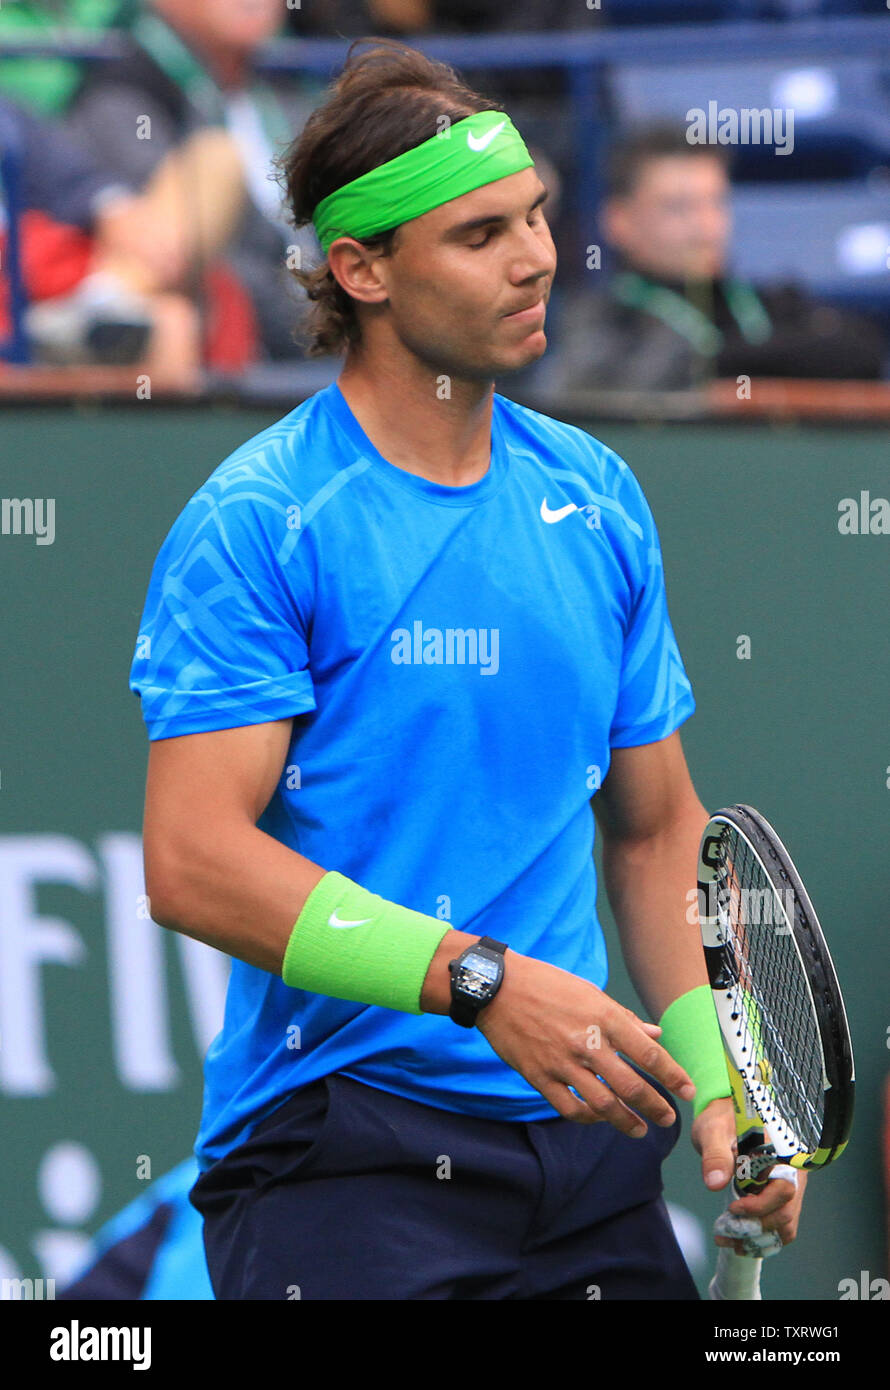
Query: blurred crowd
{"points": [[150, 226]]}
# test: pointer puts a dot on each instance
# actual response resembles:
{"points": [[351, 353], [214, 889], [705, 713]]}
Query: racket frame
{"points": [[737, 1277], [816, 965]]}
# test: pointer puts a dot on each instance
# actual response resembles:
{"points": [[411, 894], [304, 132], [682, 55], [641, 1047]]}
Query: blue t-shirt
{"points": [[458, 662]]}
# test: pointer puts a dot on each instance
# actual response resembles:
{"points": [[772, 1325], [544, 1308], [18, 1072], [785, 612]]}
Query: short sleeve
{"points": [[655, 695], [222, 642]]}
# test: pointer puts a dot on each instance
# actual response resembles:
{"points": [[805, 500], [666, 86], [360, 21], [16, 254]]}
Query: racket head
{"points": [[775, 990]]}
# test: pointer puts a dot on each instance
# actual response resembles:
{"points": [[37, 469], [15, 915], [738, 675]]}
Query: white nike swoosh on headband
{"points": [[482, 142], [334, 921], [558, 515]]}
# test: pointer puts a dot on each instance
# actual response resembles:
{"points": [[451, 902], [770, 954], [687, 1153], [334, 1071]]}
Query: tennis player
{"points": [[391, 652]]}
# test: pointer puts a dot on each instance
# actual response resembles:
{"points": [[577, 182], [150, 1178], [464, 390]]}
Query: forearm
{"points": [[241, 891], [651, 884], [231, 886]]}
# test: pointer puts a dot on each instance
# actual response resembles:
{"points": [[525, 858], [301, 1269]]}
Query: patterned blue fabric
{"points": [[458, 663], [152, 1249]]}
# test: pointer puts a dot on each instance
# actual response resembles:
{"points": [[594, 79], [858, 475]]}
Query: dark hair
{"points": [[644, 144], [385, 102]]}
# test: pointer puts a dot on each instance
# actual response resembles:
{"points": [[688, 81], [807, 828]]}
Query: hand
{"points": [[135, 239], [558, 1030], [777, 1206]]}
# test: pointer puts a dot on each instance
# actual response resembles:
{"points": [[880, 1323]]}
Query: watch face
{"points": [[477, 977], [481, 965]]}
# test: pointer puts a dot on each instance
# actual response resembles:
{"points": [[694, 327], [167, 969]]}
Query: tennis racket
{"points": [[782, 1018]]}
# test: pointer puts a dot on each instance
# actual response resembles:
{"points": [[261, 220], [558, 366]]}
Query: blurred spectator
{"points": [[519, 17], [673, 315], [92, 263], [46, 85], [392, 18], [189, 70], [542, 91], [352, 19]]}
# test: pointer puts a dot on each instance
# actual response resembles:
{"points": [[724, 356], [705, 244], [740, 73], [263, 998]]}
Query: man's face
{"points": [[238, 24], [458, 273], [675, 224]]}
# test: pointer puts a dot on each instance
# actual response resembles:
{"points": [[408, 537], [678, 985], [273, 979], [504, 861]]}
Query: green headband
{"points": [[476, 151]]}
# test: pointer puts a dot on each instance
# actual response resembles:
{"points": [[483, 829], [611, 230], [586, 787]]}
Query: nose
{"points": [[537, 256], [713, 220]]}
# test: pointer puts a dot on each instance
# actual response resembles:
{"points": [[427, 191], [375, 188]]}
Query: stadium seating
{"points": [[844, 227], [625, 72]]}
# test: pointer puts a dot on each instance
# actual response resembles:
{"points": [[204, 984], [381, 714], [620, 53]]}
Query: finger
{"points": [[717, 1163], [749, 1236], [714, 1138], [735, 1245], [763, 1246], [632, 1088], [628, 1037], [568, 1105], [731, 1243], [774, 1233], [653, 1029], [774, 1197], [784, 1170], [740, 1249], [606, 1105]]}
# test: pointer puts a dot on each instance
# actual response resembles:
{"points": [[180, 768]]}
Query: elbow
{"points": [[162, 903], [163, 887]]}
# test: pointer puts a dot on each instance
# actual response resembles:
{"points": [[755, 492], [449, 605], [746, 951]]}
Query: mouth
{"points": [[529, 313]]}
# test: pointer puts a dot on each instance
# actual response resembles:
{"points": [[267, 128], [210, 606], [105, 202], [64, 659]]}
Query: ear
{"points": [[358, 271]]}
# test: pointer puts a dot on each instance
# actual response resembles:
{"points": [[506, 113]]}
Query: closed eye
{"points": [[536, 217]]}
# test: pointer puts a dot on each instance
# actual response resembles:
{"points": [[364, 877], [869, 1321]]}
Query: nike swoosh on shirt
{"points": [[479, 143], [558, 515], [334, 921]]}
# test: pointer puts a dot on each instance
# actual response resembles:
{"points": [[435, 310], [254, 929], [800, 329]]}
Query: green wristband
{"points": [[352, 944], [691, 1034]]}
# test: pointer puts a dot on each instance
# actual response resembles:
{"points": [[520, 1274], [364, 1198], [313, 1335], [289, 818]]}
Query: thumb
{"points": [[716, 1166], [714, 1137]]}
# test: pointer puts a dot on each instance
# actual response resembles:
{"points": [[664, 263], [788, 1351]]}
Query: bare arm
{"points": [[213, 875], [209, 872], [651, 822]]}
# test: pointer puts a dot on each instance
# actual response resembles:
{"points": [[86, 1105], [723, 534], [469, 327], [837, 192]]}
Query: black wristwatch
{"points": [[476, 977]]}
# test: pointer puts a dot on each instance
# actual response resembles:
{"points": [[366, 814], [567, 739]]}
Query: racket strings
{"points": [[777, 1032]]}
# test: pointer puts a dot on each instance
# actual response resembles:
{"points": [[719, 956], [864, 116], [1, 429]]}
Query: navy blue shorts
{"points": [[348, 1192]]}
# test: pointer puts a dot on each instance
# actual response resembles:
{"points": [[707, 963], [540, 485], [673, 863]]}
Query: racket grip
{"points": [[736, 1278]]}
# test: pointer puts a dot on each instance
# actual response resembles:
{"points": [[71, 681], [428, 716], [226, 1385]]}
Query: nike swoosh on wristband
{"points": [[479, 143], [334, 921], [558, 515]]}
